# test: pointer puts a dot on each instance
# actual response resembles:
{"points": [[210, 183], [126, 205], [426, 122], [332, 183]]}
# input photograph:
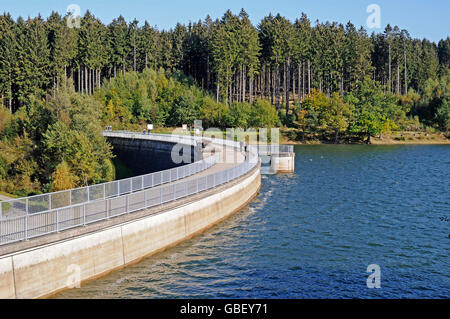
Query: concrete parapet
{"points": [[44, 270], [283, 163]]}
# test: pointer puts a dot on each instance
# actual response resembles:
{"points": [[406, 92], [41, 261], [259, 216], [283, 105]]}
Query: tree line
{"points": [[59, 86], [278, 60], [54, 145]]}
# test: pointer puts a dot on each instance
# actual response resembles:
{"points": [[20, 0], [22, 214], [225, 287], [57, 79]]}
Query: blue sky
{"points": [[423, 19]]}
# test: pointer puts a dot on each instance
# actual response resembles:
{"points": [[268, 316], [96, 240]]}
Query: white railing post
{"points": [[84, 214], [57, 221], [26, 227], [145, 199]]}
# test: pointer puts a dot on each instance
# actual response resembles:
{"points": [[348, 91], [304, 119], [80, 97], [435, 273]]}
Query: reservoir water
{"points": [[312, 234]]}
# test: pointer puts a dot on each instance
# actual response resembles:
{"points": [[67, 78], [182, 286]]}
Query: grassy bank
{"points": [[6, 196]]}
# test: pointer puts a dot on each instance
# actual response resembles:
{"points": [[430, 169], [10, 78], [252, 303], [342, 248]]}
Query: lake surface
{"points": [[313, 233]]}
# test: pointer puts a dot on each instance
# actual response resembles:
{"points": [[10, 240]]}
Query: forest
{"points": [[60, 85]]}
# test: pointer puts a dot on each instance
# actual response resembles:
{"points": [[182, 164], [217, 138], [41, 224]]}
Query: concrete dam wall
{"points": [[146, 156], [55, 262], [45, 270]]}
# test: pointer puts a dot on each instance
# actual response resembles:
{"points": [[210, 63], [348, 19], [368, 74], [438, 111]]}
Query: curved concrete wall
{"points": [[147, 156], [45, 270]]}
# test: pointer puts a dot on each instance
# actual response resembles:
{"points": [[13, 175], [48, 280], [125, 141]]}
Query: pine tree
{"points": [[8, 58], [32, 72], [119, 48], [179, 35], [146, 41], [63, 46], [303, 52], [357, 56]]}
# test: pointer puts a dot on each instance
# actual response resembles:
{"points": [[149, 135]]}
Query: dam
{"points": [[48, 240]]}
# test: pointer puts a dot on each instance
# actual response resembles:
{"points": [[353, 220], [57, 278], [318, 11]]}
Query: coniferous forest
{"points": [[59, 86]]}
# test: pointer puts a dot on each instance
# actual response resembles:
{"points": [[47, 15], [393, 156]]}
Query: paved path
{"points": [[3, 197], [42, 224]]}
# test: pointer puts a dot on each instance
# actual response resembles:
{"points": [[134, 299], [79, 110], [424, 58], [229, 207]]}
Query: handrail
{"points": [[55, 220], [66, 198], [268, 149]]}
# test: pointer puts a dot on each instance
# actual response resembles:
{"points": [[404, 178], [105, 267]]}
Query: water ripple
{"points": [[313, 233]]}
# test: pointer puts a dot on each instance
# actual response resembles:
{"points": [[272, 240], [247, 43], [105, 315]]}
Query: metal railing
{"points": [[108, 200], [269, 149], [171, 138], [56, 220], [41, 203]]}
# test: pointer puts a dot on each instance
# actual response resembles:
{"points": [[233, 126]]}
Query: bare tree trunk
{"points": [[293, 83], [217, 90], [251, 89], [230, 101], [283, 96], [389, 62], [277, 84], [303, 80], [287, 82], [309, 77], [237, 86], [264, 82], [86, 80], [134, 51], [208, 77], [299, 81], [244, 80], [271, 85], [406, 77], [398, 78]]}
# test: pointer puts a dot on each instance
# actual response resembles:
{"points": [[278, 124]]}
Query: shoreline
{"points": [[287, 142], [402, 138]]}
